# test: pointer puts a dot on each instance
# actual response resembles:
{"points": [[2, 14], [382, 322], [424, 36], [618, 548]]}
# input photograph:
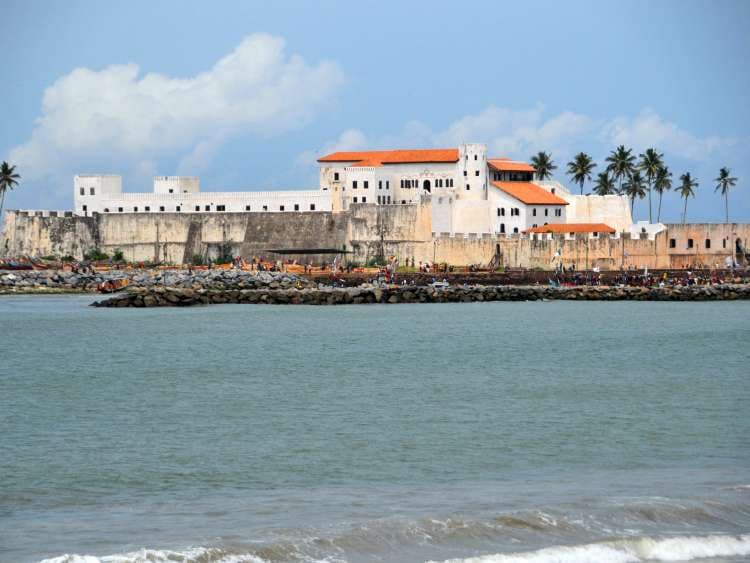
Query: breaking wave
{"points": [[683, 548]]}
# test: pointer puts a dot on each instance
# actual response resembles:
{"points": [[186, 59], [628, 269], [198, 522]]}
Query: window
{"points": [[335, 176], [354, 185], [708, 243], [451, 183], [312, 207], [91, 191], [364, 199], [82, 191], [468, 187], [723, 242], [546, 212], [403, 202], [208, 208], [106, 210], [197, 207], [380, 184], [354, 199], [553, 190], [161, 208], [596, 234], [515, 229], [281, 208], [476, 173], [177, 209], [402, 182], [247, 208], [389, 199], [135, 209], [558, 212], [147, 208], [502, 228], [119, 209], [466, 173], [85, 208], [387, 184], [533, 212], [265, 208], [296, 206], [690, 243], [475, 157], [367, 184], [672, 243], [378, 200], [171, 191]]}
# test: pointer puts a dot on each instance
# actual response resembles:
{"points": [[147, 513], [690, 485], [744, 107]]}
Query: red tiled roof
{"points": [[508, 165], [393, 157], [529, 193], [557, 228]]}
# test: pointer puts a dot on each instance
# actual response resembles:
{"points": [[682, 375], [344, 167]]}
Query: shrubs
{"points": [[118, 256], [198, 260], [95, 255]]}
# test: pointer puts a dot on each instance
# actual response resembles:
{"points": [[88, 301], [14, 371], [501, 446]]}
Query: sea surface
{"points": [[491, 432]]}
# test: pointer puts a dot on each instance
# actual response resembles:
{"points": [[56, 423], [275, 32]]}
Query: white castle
{"points": [[467, 193]]}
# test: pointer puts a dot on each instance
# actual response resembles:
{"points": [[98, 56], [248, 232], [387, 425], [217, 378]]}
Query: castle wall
{"points": [[366, 232]]}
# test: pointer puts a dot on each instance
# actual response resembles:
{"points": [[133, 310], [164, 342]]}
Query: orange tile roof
{"points": [[529, 193], [558, 228], [393, 157], [508, 165]]}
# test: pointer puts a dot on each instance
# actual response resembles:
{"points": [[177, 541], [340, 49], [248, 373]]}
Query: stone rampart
{"points": [[365, 232]]}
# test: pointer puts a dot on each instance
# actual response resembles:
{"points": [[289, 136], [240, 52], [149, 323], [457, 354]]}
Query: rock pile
{"points": [[52, 281], [176, 296]]}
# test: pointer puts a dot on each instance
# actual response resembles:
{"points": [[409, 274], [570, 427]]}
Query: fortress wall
{"points": [[367, 231]]}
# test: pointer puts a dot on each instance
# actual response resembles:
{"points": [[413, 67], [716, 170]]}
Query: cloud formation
{"points": [[255, 89], [519, 134]]}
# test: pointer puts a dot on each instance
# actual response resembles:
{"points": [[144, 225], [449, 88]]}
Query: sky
{"points": [[247, 95]]}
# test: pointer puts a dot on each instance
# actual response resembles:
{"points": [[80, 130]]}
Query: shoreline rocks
{"points": [[55, 281], [181, 297]]}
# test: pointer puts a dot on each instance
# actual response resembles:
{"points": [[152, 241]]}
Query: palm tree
{"points": [[662, 183], [634, 188], [605, 185], [8, 179], [723, 183], [650, 163], [621, 164], [687, 189], [579, 169], [543, 165]]}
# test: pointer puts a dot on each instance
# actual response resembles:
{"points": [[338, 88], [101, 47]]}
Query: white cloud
{"points": [[118, 112], [520, 134], [648, 129]]}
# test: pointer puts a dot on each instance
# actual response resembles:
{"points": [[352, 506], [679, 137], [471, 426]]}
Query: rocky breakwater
{"points": [[305, 293], [55, 281]]}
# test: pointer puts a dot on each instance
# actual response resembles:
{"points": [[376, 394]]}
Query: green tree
{"points": [[651, 162], [580, 168], [688, 184], [662, 183], [634, 188], [543, 165], [723, 183], [604, 185], [8, 180], [621, 165]]}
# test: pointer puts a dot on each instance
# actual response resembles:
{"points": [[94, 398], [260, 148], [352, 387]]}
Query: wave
{"points": [[681, 548]]}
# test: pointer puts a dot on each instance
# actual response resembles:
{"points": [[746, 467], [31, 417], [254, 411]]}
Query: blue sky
{"points": [[247, 94]]}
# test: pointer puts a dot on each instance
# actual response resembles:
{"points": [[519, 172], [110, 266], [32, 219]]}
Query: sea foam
{"points": [[680, 548]]}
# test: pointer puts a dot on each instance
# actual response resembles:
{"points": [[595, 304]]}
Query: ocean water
{"points": [[492, 432]]}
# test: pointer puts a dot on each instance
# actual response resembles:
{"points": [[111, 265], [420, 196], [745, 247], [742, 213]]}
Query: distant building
{"points": [[467, 192]]}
